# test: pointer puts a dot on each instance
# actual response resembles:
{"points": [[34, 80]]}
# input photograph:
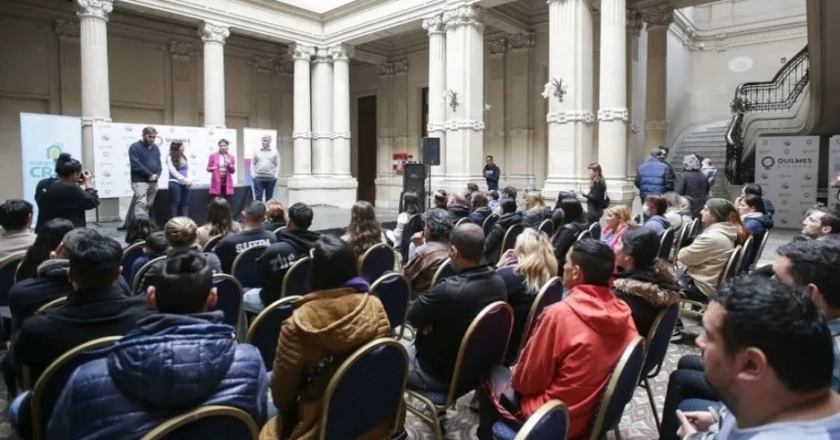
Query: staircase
{"points": [[708, 141]]}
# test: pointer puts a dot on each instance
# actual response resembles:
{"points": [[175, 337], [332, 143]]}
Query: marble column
{"points": [[341, 109], [613, 114], [322, 123], [214, 35], [656, 122], [519, 155], [569, 92], [96, 98], [465, 94], [437, 86], [302, 118], [634, 28]]}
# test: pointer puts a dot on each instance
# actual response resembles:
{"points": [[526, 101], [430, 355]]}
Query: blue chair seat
{"points": [[501, 431], [436, 397]]}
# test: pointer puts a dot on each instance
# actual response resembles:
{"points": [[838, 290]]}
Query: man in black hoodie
{"points": [[252, 235], [293, 243]]}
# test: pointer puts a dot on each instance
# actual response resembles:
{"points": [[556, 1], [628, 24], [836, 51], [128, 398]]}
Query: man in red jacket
{"points": [[575, 344]]}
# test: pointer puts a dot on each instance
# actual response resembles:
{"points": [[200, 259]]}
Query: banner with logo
{"points": [[833, 169], [110, 153], [787, 170], [42, 139], [253, 142]]}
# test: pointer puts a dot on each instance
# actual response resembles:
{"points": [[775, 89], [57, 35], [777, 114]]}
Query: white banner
{"points": [[833, 168], [253, 142], [787, 170], [110, 153], [42, 139]]}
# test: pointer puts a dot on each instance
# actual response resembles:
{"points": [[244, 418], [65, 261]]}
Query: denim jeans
{"points": [[251, 301], [264, 185], [180, 198]]}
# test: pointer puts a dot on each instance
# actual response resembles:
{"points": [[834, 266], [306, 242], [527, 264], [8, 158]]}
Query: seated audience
{"points": [[440, 199], [679, 210], [494, 242], [328, 325], [509, 192], [457, 206], [535, 210], [219, 221], [472, 188], [755, 189], [655, 208], [525, 269], [646, 283], [293, 243], [757, 332], [618, 220], [155, 246], [493, 199], [181, 235], [691, 182], [431, 250], [821, 223], [47, 240], [251, 235], [138, 228], [573, 224], [751, 208], [275, 215], [16, 220], [575, 346], [364, 230], [183, 357], [480, 208], [410, 206], [443, 314]]}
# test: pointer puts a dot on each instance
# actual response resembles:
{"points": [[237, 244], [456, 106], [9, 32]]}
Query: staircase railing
{"points": [[778, 94]]}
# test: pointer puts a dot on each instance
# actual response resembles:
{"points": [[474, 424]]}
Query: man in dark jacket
{"points": [[252, 235], [179, 359], [654, 176], [694, 184], [491, 173], [144, 157], [443, 315], [493, 243], [457, 207], [293, 243], [431, 250]]}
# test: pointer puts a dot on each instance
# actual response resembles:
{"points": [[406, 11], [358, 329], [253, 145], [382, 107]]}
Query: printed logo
{"points": [[768, 162]]}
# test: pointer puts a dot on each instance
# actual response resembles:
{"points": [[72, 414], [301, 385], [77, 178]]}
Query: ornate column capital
{"points": [[182, 49], [341, 52], [66, 28], [435, 24], [391, 68], [322, 55], [301, 52], [464, 15], [520, 42], [497, 48], [658, 16], [634, 22], [94, 8], [264, 64], [213, 32]]}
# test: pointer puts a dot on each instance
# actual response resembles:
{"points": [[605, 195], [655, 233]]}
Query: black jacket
{"points": [[596, 201], [234, 244], [458, 212], [271, 226], [533, 218], [521, 298], [567, 236], [157, 267], [279, 257], [65, 200], [88, 314], [145, 161], [480, 214], [647, 291], [493, 242], [695, 185], [442, 316]]}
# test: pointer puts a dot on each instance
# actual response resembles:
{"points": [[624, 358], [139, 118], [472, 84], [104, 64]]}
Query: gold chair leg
{"points": [[652, 403], [617, 433]]}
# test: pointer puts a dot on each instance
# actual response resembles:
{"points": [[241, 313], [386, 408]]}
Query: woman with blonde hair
{"points": [[618, 219], [536, 211], [525, 269]]}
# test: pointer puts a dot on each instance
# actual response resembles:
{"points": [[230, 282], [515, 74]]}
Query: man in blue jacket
{"points": [[144, 156], [655, 176], [177, 360], [491, 173]]}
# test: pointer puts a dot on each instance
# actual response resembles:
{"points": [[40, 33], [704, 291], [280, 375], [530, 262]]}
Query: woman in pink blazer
{"points": [[221, 167]]}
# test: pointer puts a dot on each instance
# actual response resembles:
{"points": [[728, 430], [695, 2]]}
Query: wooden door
{"points": [[367, 149]]}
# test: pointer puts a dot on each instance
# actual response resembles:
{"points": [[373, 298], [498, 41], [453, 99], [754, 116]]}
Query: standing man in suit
{"points": [[144, 157], [491, 173]]}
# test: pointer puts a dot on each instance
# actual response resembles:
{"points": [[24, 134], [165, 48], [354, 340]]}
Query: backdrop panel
{"points": [[787, 170], [253, 142], [42, 139], [833, 167]]}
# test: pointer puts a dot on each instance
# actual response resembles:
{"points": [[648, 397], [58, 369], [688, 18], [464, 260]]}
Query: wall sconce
{"points": [[555, 87], [487, 107], [451, 97]]}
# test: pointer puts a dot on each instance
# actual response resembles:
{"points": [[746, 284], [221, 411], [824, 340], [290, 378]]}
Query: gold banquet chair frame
{"points": [[204, 412]]}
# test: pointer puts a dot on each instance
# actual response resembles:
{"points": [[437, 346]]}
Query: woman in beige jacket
{"points": [[704, 260]]}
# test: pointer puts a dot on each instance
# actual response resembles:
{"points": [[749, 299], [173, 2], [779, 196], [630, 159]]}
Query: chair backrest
{"points": [[376, 261], [296, 280], [584, 235], [279, 230], [620, 388], [595, 231], [265, 329], [551, 292], [746, 252], [659, 337], [547, 226], [212, 242], [444, 271], [679, 240], [482, 347], [462, 220], [489, 222], [394, 291], [666, 243], [8, 269], [365, 391], [220, 419], [731, 265], [229, 294], [245, 268], [695, 228], [138, 277], [130, 254], [48, 387], [510, 237], [760, 250], [413, 225], [548, 422], [58, 302]]}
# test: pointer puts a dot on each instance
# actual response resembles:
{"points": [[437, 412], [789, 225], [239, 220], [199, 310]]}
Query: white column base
{"points": [[339, 192], [621, 192], [388, 190]]}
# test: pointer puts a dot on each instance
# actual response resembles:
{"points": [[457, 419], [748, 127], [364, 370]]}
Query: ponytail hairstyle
{"points": [[65, 165]]}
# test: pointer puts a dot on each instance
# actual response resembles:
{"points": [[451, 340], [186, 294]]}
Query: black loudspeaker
{"points": [[414, 180], [431, 151]]}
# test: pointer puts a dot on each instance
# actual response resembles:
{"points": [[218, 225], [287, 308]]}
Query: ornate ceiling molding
{"points": [[520, 42], [721, 39], [66, 28]]}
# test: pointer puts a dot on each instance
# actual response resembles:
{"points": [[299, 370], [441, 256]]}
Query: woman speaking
{"points": [[69, 196], [221, 167]]}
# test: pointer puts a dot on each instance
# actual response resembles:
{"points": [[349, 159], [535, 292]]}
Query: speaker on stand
{"points": [[414, 180], [431, 157]]}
